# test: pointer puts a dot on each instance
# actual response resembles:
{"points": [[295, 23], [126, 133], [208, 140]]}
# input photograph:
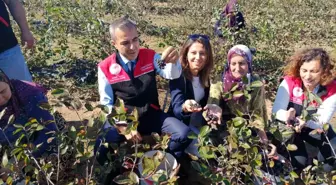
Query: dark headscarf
{"points": [[21, 92]]}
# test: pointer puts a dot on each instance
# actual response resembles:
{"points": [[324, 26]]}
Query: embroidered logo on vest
{"points": [[115, 69], [297, 95], [297, 91]]}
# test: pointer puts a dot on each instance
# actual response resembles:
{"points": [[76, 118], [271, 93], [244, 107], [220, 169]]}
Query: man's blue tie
{"points": [[130, 69]]}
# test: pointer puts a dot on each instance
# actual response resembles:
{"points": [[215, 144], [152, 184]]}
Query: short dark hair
{"points": [[123, 22]]}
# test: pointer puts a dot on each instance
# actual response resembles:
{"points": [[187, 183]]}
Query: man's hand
{"points": [[27, 39], [191, 106], [213, 114], [170, 55], [134, 135]]}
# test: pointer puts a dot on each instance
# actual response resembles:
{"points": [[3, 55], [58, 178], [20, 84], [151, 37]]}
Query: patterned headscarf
{"points": [[21, 92], [228, 79]]}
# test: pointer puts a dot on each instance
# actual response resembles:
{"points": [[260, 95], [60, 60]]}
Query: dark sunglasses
{"points": [[199, 36]]}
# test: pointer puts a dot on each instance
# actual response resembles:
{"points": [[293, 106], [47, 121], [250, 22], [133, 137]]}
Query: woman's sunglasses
{"points": [[199, 36]]}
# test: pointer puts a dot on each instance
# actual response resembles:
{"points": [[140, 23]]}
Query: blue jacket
{"points": [[181, 89]]}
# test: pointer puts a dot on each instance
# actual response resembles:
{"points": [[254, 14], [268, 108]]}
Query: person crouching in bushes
{"points": [[308, 72], [190, 92], [237, 74], [21, 102]]}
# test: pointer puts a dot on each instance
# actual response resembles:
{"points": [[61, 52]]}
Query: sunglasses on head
{"points": [[199, 36]]}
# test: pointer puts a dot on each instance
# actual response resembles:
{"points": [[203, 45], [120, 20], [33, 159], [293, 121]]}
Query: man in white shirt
{"points": [[130, 74]]}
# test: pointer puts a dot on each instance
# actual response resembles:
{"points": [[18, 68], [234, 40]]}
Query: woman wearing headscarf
{"points": [[236, 76], [22, 102], [235, 19]]}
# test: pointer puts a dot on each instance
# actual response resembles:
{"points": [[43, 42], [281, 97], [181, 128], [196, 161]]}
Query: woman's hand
{"points": [[290, 115], [213, 114], [191, 106], [300, 125]]}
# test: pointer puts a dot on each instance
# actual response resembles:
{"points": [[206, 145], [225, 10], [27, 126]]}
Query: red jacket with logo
{"points": [[139, 92], [297, 97]]}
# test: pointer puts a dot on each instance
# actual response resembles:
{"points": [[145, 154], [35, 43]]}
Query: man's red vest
{"points": [[139, 92], [297, 96]]}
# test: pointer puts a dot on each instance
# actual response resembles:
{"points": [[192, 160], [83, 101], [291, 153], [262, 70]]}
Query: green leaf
{"points": [[72, 129], [238, 121], [88, 106], [9, 180], [148, 165], [192, 135], [246, 146], [5, 159], [304, 114], [40, 127], [196, 166], [313, 132], [334, 178], [105, 145], [64, 150], [17, 131], [18, 126], [11, 119], [2, 113], [238, 94], [205, 130], [294, 175], [104, 108], [138, 155], [135, 114], [315, 162], [57, 92], [292, 147], [44, 106], [234, 87], [133, 177], [309, 108], [90, 123], [206, 152], [271, 163], [318, 99], [256, 84], [258, 172], [39, 145], [122, 179], [192, 157], [156, 136], [258, 162], [50, 132], [326, 127]]}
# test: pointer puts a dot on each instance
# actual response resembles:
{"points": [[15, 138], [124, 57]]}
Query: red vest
{"points": [[141, 91], [297, 97]]}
